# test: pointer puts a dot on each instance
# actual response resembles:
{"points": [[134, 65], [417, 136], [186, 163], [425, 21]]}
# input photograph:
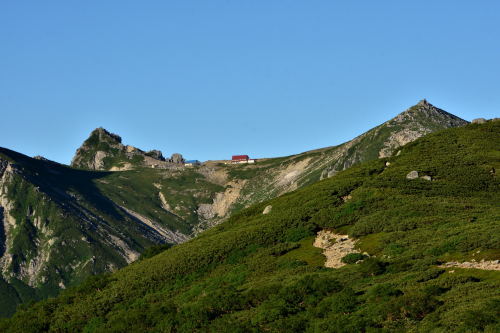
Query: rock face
{"points": [[156, 154], [104, 151]]}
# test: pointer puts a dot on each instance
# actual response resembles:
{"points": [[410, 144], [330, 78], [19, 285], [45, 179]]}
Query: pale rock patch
{"points": [[169, 236], [412, 175], [489, 265], [164, 203], [124, 167], [98, 160], [346, 198], [335, 246], [128, 254], [287, 178], [478, 121]]}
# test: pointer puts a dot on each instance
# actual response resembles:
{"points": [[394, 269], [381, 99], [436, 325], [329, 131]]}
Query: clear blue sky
{"points": [[213, 78]]}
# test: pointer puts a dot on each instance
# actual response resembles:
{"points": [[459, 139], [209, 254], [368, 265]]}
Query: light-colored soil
{"points": [[489, 265], [124, 167], [335, 247], [287, 177]]}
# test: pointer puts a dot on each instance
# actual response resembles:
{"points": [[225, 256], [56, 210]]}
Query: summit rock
{"points": [[104, 151]]}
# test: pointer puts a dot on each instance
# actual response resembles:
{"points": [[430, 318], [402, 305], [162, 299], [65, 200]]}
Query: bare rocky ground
{"points": [[335, 246], [489, 265]]}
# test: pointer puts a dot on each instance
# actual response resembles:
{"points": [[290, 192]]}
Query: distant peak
{"points": [[103, 132], [424, 102]]}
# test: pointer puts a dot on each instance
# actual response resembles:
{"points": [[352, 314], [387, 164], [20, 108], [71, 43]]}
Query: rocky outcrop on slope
{"points": [[335, 247], [104, 151], [489, 265]]}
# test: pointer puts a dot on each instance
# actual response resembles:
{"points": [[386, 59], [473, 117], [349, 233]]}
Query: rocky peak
{"points": [[104, 150], [424, 102], [104, 135], [427, 116], [99, 145]]}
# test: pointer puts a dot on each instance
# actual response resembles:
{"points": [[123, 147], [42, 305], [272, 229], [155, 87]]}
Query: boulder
{"points": [[177, 158], [412, 175], [267, 210], [478, 121], [426, 178], [346, 198]]}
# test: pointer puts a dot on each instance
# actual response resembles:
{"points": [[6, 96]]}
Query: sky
{"points": [[210, 79]]}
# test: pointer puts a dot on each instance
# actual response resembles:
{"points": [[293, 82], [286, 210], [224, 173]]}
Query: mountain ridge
{"points": [[259, 271], [55, 209]]}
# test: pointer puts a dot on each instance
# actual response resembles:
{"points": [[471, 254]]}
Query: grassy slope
{"points": [[186, 189], [260, 272]]}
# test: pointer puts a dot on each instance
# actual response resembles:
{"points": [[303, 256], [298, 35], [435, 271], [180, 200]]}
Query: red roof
{"points": [[240, 157]]}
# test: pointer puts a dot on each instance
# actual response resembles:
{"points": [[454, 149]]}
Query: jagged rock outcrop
{"points": [[177, 158], [104, 150], [156, 154]]}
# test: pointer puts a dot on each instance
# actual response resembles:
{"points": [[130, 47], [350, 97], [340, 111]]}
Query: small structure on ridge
{"points": [[236, 159]]}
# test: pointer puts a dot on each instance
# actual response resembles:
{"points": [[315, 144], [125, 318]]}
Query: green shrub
{"points": [[372, 266], [353, 258], [154, 250]]}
